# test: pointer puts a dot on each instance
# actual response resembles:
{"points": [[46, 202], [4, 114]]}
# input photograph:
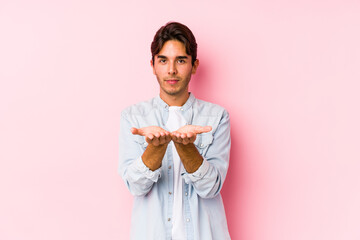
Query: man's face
{"points": [[173, 69]]}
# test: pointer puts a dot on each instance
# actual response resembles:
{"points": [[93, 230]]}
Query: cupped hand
{"points": [[187, 134], [153, 135]]}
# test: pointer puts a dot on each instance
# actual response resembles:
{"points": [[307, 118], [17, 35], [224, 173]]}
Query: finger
{"points": [[192, 139], [174, 137], [157, 135], [190, 134], [156, 141], [201, 129], [185, 141], [149, 138], [162, 138], [134, 131], [168, 137]]}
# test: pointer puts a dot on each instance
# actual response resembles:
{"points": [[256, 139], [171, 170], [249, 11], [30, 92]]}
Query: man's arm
{"points": [[138, 174], [209, 177], [157, 139], [189, 156], [184, 142]]}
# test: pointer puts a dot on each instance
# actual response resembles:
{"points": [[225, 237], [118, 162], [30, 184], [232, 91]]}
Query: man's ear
{"points": [[152, 65], [195, 66]]}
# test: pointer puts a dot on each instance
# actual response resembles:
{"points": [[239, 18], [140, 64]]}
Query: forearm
{"points": [[189, 156], [142, 172], [153, 156]]}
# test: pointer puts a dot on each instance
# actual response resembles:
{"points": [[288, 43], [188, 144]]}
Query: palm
{"points": [[187, 134], [153, 135], [147, 130], [194, 129]]}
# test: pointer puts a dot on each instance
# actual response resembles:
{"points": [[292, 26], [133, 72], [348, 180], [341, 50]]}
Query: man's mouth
{"points": [[172, 81]]}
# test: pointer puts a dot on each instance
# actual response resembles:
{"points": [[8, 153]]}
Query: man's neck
{"points": [[175, 100]]}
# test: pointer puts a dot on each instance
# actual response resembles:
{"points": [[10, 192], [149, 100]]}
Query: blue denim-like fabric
{"points": [[152, 210]]}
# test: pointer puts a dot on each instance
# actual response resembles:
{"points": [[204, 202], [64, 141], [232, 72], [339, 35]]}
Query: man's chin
{"points": [[172, 93]]}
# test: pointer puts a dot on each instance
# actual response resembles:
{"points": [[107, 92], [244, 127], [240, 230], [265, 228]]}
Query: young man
{"points": [[174, 150]]}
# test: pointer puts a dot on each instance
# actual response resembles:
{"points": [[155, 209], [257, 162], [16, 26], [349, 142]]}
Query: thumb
{"points": [[201, 129], [135, 131]]}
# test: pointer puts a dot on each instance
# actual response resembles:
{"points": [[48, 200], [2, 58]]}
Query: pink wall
{"points": [[288, 74]]}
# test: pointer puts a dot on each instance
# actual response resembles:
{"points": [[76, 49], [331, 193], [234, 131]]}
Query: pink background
{"points": [[288, 73]]}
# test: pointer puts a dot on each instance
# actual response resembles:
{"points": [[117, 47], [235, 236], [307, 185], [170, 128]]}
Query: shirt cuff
{"points": [[198, 174], [149, 174]]}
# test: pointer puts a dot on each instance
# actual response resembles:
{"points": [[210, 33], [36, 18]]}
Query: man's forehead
{"points": [[173, 48]]}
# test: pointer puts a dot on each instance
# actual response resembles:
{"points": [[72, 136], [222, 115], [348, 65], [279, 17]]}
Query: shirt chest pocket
{"points": [[203, 141]]}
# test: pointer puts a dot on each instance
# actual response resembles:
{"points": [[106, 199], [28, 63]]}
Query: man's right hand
{"points": [[158, 139], [154, 135]]}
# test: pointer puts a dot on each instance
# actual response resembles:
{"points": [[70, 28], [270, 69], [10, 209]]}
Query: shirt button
{"points": [[169, 193], [202, 145], [186, 194], [181, 109], [169, 167], [169, 219], [188, 220]]}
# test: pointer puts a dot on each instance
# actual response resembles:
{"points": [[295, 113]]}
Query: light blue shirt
{"points": [[153, 199]]}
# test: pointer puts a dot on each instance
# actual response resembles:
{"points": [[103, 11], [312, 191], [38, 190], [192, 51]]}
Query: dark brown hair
{"points": [[175, 31]]}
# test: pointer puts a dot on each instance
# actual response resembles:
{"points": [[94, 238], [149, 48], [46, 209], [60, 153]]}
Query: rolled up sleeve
{"points": [[198, 174]]}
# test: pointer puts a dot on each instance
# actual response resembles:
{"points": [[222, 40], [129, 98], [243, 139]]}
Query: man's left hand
{"points": [[187, 134]]}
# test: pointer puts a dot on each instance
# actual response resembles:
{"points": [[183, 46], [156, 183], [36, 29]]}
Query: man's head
{"points": [[174, 61], [175, 31]]}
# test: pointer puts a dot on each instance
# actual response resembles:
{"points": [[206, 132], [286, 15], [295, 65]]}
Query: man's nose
{"points": [[172, 69]]}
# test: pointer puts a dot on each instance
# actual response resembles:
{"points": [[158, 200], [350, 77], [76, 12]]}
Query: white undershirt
{"points": [[175, 121]]}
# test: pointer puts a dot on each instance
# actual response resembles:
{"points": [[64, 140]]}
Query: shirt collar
{"points": [[185, 107]]}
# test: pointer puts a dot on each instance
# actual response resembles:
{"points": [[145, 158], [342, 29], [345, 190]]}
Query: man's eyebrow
{"points": [[178, 57]]}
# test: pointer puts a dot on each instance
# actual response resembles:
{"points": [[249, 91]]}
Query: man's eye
{"points": [[162, 60], [181, 61]]}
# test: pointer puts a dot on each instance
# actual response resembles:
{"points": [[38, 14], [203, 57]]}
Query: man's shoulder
{"points": [[139, 108], [209, 108]]}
